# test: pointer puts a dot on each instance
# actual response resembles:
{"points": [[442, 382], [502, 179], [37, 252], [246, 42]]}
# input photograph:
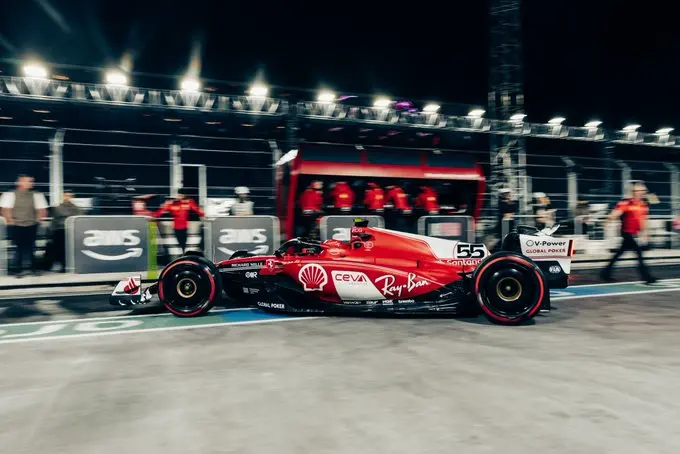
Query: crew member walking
{"points": [[180, 209], [633, 213]]}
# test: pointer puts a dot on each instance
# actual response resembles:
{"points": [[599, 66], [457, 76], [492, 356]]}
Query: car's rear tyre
{"points": [[189, 286], [509, 288]]}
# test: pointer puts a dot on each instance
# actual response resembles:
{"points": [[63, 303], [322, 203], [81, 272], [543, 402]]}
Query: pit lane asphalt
{"points": [[596, 375]]}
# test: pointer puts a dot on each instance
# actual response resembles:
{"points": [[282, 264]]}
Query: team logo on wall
{"points": [[313, 277], [119, 238]]}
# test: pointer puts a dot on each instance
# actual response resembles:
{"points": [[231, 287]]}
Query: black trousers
{"points": [[56, 250], [24, 244], [629, 243], [181, 236]]}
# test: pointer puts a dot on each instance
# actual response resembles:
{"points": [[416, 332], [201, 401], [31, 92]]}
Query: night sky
{"points": [[613, 61]]}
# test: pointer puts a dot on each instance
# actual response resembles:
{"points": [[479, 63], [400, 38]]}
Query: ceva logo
{"points": [[251, 239], [349, 276], [99, 238]]}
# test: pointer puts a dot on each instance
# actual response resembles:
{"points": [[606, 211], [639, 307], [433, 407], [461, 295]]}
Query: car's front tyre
{"points": [[189, 286], [509, 288]]}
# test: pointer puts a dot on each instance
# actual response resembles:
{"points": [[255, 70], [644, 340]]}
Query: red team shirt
{"points": [[399, 198], [342, 195], [311, 200], [427, 200], [634, 211], [179, 210], [374, 198]]}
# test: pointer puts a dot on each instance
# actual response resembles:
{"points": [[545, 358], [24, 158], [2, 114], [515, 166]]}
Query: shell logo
{"points": [[313, 277]]}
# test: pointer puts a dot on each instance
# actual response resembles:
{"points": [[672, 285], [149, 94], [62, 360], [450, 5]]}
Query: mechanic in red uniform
{"points": [[633, 214], [342, 197], [398, 198], [180, 208], [427, 200], [374, 198], [311, 204]]}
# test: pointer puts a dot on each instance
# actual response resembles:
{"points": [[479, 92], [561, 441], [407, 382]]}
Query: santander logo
{"points": [[313, 277], [390, 289]]}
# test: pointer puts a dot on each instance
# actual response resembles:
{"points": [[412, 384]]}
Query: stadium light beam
{"points": [[631, 128], [382, 103], [476, 113], [664, 131], [258, 91], [326, 97], [116, 78], [190, 85], [556, 121], [431, 108], [35, 71], [518, 117], [593, 124]]}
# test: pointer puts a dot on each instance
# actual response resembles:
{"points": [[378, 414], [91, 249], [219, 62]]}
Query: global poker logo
{"points": [[313, 277], [102, 238]]}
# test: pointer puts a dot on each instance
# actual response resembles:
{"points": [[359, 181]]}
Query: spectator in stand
{"points": [[56, 248], [374, 199], [427, 201], [633, 214], [311, 204], [507, 209], [342, 197], [243, 206], [180, 208], [23, 209]]}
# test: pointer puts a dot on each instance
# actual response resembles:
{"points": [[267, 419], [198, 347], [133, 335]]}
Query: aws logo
{"points": [[112, 238]]}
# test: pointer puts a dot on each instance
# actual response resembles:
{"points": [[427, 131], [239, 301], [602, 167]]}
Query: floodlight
{"points": [[518, 117], [382, 102], [258, 90], [35, 70], [476, 113], [326, 97], [664, 131], [116, 78], [631, 128], [431, 108], [593, 124], [190, 84], [556, 121]]}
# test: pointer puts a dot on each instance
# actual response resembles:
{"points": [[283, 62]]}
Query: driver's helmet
{"points": [[242, 191]]}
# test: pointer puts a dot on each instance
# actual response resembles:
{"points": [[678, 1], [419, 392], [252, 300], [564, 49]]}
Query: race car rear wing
{"points": [[552, 255]]}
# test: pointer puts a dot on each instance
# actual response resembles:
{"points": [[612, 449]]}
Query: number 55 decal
{"points": [[470, 251]]}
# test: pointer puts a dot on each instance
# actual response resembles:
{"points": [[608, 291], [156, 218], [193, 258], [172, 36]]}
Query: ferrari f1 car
{"points": [[376, 271]]}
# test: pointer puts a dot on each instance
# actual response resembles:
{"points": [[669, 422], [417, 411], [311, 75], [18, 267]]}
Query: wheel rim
{"points": [[186, 288], [509, 289]]}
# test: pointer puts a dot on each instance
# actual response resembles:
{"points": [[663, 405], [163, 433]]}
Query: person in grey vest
{"points": [[56, 249], [243, 206], [22, 210]]}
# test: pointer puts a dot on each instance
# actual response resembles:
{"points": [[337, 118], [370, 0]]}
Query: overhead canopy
{"points": [[383, 162]]}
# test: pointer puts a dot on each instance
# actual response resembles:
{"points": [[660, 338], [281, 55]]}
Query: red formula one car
{"points": [[377, 271]]}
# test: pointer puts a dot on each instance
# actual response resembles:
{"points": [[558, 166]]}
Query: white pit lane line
{"points": [[657, 288]]}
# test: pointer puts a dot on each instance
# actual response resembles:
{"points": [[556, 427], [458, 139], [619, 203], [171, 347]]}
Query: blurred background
{"points": [[460, 125]]}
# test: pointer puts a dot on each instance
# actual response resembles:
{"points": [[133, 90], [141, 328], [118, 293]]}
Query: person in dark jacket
{"points": [[56, 248]]}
